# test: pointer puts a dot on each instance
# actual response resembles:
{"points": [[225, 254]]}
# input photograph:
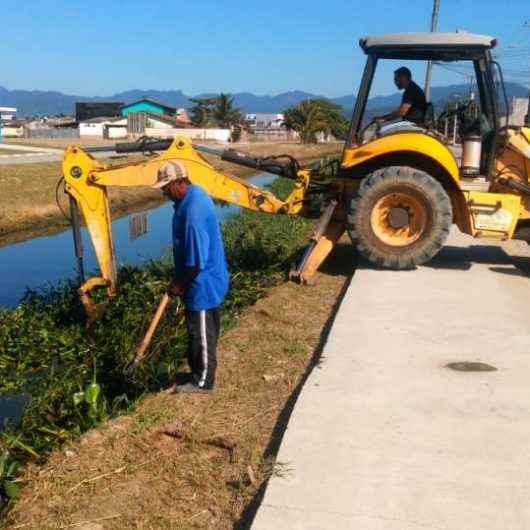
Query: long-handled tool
{"points": [[140, 352]]}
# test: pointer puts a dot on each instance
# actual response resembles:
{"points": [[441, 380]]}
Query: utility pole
{"points": [[434, 24], [455, 125], [526, 118]]}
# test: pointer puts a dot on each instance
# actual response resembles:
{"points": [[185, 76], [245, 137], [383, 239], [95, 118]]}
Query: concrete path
{"points": [[384, 436], [33, 155]]}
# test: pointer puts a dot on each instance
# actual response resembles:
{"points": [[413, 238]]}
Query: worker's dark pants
{"points": [[203, 332]]}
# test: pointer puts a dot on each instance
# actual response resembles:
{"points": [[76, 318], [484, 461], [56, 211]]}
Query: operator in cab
{"points": [[201, 275], [413, 103]]}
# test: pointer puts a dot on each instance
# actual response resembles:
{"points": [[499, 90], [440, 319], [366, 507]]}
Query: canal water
{"points": [[46, 261]]}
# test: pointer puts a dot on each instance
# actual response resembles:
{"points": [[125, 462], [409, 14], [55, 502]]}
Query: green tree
{"points": [[224, 112], [201, 114], [311, 117], [216, 111]]}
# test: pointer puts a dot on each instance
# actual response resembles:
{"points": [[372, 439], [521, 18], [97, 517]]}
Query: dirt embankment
{"points": [[195, 461], [28, 203]]}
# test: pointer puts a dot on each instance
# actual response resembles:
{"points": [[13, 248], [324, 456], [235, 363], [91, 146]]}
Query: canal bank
{"points": [[189, 461], [45, 351]]}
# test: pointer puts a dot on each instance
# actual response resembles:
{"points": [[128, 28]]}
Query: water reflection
{"points": [[45, 261]]}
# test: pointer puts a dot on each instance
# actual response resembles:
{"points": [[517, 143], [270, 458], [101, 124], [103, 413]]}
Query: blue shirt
{"points": [[197, 242]]}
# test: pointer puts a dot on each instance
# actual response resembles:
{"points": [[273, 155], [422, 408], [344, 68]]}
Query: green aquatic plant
{"points": [[93, 400], [74, 381], [9, 489], [9, 466]]}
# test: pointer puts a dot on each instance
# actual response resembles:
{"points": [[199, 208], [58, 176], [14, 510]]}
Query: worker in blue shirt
{"points": [[201, 275]]}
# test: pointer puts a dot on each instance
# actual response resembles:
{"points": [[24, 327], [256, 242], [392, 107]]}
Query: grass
{"points": [[28, 205], [75, 380]]}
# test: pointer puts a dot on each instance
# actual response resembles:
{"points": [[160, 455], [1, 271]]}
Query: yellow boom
{"points": [[87, 179]]}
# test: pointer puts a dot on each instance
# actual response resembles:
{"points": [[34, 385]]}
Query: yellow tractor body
{"points": [[492, 212]]}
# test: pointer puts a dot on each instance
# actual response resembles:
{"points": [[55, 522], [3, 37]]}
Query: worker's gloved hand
{"points": [[175, 288]]}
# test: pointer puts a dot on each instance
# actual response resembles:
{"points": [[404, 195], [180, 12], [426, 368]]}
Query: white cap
{"points": [[168, 172]]}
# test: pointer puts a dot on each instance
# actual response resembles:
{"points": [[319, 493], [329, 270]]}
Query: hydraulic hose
{"points": [[282, 165]]}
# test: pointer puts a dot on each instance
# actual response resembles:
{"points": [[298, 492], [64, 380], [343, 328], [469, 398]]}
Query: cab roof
{"points": [[435, 46]]}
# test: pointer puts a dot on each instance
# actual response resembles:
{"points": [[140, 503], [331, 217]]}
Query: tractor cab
{"points": [[445, 49]]}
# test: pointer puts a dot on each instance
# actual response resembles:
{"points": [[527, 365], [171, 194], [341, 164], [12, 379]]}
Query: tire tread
{"points": [[385, 178]]}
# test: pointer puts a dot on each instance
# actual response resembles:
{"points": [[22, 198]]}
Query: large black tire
{"points": [[399, 218]]}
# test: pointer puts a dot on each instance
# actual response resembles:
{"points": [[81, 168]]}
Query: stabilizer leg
{"points": [[326, 234]]}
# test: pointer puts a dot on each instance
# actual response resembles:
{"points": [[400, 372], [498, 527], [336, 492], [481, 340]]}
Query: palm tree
{"points": [[215, 112], [224, 112], [313, 116], [201, 112]]}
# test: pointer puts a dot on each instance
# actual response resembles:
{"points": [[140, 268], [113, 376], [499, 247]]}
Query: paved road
{"points": [[27, 154], [36, 155], [27, 148], [384, 436]]}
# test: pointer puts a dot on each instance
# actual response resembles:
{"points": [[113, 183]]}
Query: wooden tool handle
{"points": [[152, 327]]}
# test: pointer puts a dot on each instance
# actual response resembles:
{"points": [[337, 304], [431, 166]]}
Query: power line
{"points": [[463, 70], [516, 55]]}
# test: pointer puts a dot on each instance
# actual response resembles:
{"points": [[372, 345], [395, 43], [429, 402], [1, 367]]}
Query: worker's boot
{"points": [[190, 388]]}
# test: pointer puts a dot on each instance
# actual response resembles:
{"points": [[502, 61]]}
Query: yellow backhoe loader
{"points": [[396, 194]]}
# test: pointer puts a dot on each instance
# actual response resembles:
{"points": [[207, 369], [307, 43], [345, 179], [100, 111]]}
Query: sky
{"points": [[98, 48]]}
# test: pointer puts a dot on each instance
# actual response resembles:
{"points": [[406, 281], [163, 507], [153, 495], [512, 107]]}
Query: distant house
{"points": [[265, 120], [51, 127], [115, 129], [12, 129], [158, 121], [95, 109], [7, 113], [62, 122], [148, 105], [103, 127], [138, 122]]}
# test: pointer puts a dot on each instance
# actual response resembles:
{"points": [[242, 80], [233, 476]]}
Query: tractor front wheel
{"points": [[400, 217]]}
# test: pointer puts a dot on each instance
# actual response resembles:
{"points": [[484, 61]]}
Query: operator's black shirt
{"points": [[415, 96]]}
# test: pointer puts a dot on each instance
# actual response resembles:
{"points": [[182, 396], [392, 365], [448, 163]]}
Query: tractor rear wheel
{"points": [[400, 217]]}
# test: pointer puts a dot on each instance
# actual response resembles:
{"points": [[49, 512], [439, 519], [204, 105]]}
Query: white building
{"points": [[12, 129], [265, 120], [7, 113], [115, 130], [192, 133], [103, 127]]}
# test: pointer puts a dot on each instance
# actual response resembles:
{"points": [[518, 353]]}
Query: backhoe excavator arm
{"points": [[87, 179]]}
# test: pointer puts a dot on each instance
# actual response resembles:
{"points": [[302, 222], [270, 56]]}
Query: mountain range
{"points": [[39, 102]]}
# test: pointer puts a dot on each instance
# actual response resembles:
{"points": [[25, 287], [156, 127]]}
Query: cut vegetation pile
{"points": [[76, 381]]}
